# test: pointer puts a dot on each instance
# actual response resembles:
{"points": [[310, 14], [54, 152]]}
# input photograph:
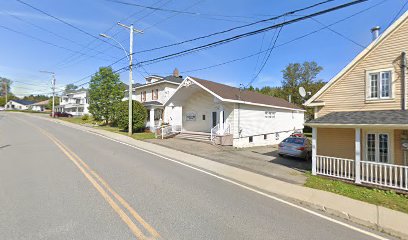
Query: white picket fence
{"points": [[373, 173]]}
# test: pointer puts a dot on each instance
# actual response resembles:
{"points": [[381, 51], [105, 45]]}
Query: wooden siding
{"points": [[336, 142], [349, 92]]}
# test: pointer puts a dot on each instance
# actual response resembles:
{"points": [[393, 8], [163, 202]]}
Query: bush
{"points": [[85, 117], [139, 116]]}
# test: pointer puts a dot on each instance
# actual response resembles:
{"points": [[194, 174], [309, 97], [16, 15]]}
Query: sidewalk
{"points": [[383, 219]]}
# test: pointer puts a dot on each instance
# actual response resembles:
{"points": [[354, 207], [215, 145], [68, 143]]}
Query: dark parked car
{"points": [[296, 147], [61, 114]]}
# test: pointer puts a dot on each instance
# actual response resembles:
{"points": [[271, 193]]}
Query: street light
{"points": [[53, 91], [130, 58]]}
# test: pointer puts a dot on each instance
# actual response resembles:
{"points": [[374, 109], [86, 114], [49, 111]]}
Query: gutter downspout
{"points": [[404, 81]]}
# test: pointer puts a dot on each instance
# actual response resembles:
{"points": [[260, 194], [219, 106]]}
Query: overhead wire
{"points": [[247, 34], [235, 28], [285, 43]]}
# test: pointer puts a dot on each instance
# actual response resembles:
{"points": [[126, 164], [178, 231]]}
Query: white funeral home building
{"points": [[228, 115]]}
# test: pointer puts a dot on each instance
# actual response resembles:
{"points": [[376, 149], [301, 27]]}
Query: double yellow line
{"points": [[104, 189]]}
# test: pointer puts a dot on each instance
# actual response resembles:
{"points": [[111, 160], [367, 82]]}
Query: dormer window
{"points": [[379, 85]]}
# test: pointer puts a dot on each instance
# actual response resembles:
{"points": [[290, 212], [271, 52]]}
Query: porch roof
{"points": [[152, 103], [358, 118]]}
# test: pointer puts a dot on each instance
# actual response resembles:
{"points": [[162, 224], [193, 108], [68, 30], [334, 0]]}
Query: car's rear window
{"points": [[299, 141]]}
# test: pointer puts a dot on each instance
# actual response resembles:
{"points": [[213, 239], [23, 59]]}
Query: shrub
{"points": [[85, 117], [139, 116]]}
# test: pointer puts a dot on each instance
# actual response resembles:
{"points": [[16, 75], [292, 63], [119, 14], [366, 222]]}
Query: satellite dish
{"points": [[302, 91]]}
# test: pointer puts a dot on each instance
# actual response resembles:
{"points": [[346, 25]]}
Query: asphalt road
{"points": [[57, 182]]}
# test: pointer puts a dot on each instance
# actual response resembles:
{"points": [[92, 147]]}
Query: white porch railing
{"points": [[218, 131], [383, 174], [165, 131], [214, 131], [335, 167]]}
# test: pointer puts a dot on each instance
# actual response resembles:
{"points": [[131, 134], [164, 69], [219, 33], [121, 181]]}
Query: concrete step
{"points": [[201, 137]]}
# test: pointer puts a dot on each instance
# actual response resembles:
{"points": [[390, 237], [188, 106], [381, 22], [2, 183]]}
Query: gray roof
{"points": [[383, 117], [172, 78]]}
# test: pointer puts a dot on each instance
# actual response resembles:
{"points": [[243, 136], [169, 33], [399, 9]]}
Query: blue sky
{"points": [[22, 57]]}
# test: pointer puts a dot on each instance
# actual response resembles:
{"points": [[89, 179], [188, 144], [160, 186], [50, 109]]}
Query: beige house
{"points": [[360, 130]]}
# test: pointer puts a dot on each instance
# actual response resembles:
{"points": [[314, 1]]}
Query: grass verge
{"points": [[98, 125], [386, 198]]}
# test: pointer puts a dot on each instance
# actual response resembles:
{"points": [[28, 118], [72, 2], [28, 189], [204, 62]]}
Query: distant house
{"points": [[18, 104], [360, 130], [75, 102], [39, 106], [230, 116]]}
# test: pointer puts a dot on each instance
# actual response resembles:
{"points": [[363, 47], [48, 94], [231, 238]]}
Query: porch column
{"points": [[358, 155], [221, 120], [151, 119], [314, 150]]}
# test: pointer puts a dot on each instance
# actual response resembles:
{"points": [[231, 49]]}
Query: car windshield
{"points": [[298, 141]]}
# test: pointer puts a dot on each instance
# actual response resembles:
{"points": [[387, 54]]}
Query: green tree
{"points": [[297, 75], [70, 87], [56, 102], [105, 92], [10, 96], [3, 83], [36, 98], [139, 116]]}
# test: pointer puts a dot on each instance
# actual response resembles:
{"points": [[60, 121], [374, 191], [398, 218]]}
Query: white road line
{"points": [[242, 186]]}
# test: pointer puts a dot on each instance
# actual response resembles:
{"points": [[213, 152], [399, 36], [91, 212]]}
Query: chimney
{"points": [[176, 73], [376, 32]]}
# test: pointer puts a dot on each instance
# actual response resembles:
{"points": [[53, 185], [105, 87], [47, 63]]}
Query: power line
{"points": [[48, 31], [398, 13], [66, 23], [235, 28], [71, 58], [266, 60], [247, 34], [340, 34], [282, 44], [181, 11], [39, 39]]}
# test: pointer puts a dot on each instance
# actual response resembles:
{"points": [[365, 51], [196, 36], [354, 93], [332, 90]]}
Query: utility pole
{"points": [[130, 97], [5, 89], [130, 58], [53, 91]]}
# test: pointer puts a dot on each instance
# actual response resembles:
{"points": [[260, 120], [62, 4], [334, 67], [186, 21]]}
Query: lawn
{"points": [[389, 199], [99, 125]]}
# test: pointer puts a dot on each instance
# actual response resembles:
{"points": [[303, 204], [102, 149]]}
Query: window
{"points": [[269, 114], [379, 85], [251, 139], [155, 94], [378, 147], [143, 96], [265, 136], [203, 117]]}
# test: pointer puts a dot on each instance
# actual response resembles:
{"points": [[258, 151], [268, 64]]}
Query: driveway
{"points": [[262, 160]]}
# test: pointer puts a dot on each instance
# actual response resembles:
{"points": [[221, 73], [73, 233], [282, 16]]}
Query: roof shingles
{"points": [[383, 117], [233, 93]]}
